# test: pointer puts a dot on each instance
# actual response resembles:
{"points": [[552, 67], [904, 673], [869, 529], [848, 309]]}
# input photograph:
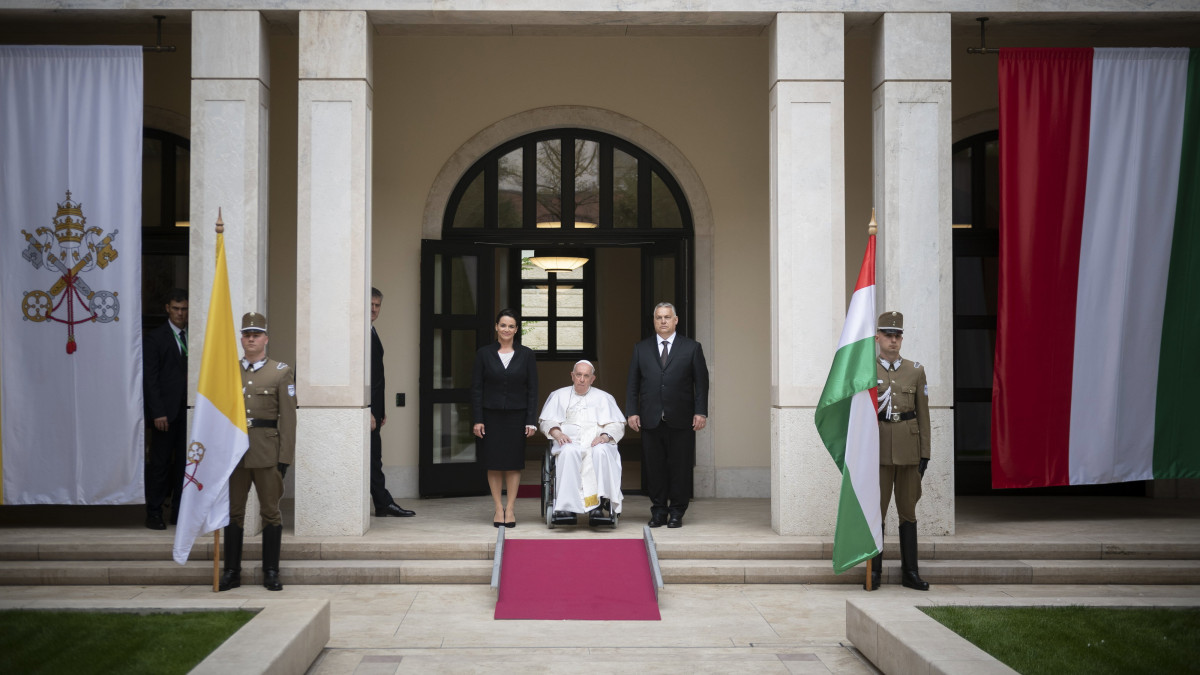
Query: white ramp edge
{"points": [[652, 557]]}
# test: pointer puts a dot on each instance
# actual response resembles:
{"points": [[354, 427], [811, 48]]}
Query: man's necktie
{"points": [[183, 342], [663, 359]]}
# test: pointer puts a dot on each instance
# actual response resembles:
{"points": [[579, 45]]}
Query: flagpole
{"points": [[217, 559], [217, 532], [872, 228]]}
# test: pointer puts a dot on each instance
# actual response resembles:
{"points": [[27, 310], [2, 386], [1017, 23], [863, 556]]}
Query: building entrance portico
{"points": [[796, 304]]}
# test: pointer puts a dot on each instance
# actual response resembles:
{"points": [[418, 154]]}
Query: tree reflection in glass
{"points": [[625, 189], [509, 192], [549, 182], [587, 183]]}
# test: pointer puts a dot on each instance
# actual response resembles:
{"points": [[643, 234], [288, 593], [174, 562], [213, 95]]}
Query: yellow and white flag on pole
{"points": [[219, 437]]}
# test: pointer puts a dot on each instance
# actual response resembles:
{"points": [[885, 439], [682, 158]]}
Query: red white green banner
{"points": [[847, 423], [1099, 266]]}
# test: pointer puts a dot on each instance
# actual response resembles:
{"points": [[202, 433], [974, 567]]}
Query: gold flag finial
{"points": [[872, 227], [221, 223]]}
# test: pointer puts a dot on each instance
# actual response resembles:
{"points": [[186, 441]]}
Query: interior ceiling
{"points": [[730, 24]]}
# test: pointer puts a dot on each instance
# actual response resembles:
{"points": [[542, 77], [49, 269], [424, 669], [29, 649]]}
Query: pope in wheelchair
{"points": [[584, 425]]}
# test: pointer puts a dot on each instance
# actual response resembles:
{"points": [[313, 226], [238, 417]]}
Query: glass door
{"points": [[665, 277], [457, 291]]}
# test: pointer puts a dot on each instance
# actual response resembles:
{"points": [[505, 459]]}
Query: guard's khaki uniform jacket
{"points": [[904, 412], [270, 391]]}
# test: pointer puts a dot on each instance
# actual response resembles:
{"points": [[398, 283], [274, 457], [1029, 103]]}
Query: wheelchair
{"points": [[601, 515]]}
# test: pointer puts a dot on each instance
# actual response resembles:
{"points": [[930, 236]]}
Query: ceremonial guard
{"points": [[269, 388], [903, 407]]}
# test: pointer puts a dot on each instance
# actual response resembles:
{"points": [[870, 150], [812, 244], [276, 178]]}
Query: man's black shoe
{"points": [[910, 579], [230, 579], [395, 511], [271, 580], [658, 520], [675, 521], [154, 521]]}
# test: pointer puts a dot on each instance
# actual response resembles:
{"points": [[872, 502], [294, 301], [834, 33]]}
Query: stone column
{"points": [[230, 99], [333, 272], [912, 147], [808, 241]]}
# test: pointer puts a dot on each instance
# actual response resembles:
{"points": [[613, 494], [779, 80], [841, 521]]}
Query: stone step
{"points": [[816, 549], [937, 571], [675, 571]]}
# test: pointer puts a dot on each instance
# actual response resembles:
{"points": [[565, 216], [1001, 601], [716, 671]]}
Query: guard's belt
{"points": [[897, 416], [262, 424]]}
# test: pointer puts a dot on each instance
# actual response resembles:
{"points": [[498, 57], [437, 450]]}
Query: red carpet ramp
{"points": [[582, 579]]}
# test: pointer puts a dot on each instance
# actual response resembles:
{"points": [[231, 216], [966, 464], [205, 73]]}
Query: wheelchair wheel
{"points": [[548, 488]]}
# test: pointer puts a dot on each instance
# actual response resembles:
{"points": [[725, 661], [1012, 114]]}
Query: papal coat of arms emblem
{"points": [[68, 248]]}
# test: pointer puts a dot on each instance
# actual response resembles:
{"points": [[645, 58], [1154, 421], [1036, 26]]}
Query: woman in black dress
{"points": [[504, 392]]}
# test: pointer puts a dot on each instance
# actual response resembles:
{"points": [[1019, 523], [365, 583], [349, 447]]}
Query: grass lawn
{"points": [[1056, 640], [110, 642]]}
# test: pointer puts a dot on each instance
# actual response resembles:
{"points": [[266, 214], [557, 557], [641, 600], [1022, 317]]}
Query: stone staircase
{"points": [[330, 561]]}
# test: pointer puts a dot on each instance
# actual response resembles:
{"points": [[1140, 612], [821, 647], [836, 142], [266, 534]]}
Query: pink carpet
{"points": [[529, 491], [583, 579]]}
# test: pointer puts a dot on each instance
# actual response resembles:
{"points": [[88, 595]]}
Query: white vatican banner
{"points": [[70, 275]]}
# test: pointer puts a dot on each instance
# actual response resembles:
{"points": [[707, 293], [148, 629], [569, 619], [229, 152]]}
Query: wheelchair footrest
{"points": [[564, 518]]}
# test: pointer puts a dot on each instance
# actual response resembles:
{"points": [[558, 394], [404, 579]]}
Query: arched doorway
{"points": [[555, 192]]}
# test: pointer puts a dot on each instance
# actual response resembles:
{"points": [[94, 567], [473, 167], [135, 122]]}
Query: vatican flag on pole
{"points": [[219, 437]]}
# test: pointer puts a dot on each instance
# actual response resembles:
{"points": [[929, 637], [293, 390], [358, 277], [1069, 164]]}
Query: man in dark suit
{"points": [[384, 504], [164, 381], [667, 400]]}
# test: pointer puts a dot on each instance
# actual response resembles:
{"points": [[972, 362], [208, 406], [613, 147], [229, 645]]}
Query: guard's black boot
{"points": [[876, 572], [232, 576], [272, 540], [909, 576]]}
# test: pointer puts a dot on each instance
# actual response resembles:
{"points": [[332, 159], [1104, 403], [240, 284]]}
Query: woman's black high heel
{"points": [[506, 523]]}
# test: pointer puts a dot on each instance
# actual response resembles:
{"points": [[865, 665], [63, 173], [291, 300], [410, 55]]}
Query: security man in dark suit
{"points": [[384, 504], [666, 398], [269, 387], [164, 384], [903, 407]]}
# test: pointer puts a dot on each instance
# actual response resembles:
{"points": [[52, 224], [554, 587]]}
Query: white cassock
{"points": [[585, 473]]}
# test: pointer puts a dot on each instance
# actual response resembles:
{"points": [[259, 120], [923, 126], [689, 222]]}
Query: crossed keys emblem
{"points": [[195, 453], [70, 248]]}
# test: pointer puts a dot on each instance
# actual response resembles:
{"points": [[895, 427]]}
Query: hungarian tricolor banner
{"points": [[847, 423], [71, 275], [1099, 284], [219, 437]]}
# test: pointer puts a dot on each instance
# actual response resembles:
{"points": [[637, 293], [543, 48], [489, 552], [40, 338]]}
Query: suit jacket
{"points": [[513, 388], [679, 389], [377, 380], [164, 377]]}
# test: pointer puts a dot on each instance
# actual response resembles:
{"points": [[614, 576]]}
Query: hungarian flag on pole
{"points": [[219, 437], [846, 420], [1099, 280]]}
